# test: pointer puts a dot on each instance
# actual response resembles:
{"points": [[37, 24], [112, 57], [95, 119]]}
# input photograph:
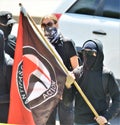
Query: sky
{"points": [[33, 7]]}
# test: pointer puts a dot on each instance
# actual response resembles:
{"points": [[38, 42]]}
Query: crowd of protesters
{"points": [[96, 81]]}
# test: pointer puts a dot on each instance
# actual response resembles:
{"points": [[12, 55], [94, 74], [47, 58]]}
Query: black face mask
{"points": [[88, 59], [6, 30]]}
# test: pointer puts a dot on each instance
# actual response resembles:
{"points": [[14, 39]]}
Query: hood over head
{"points": [[95, 45]]}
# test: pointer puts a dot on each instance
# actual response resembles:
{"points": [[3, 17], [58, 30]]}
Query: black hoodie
{"points": [[90, 81]]}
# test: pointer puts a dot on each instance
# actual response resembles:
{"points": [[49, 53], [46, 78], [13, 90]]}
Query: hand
{"points": [[70, 79], [101, 120]]}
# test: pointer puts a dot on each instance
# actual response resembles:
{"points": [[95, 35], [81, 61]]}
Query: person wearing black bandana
{"points": [[6, 24], [97, 82], [66, 49]]}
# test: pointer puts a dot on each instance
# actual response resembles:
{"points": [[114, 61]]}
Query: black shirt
{"points": [[66, 49]]}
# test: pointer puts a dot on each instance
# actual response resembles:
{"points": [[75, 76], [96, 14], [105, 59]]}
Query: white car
{"points": [[82, 20]]}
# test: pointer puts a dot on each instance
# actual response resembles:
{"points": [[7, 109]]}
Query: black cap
{"points": [[6, 18]]}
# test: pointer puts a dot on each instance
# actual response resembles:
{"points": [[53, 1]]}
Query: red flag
{"points": [[37, 78]]}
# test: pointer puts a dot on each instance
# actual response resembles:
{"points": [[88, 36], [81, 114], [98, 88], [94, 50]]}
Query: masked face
{"points": [[89, 58], [50, 33]]}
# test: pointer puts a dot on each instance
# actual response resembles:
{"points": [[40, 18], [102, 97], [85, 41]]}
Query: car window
{"points": [[84, 7], [111, 9], [105, 8]]}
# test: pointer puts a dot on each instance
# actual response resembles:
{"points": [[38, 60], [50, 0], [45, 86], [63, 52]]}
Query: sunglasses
{"points": [[90, 52], [49, 24]]}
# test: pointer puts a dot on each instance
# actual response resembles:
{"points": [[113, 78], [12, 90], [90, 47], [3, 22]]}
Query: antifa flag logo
{"points": [[39, 78]]}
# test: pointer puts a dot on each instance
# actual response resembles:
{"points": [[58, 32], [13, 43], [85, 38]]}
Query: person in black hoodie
{"points": [[6, 25], [91, 78], [6, 63]]}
